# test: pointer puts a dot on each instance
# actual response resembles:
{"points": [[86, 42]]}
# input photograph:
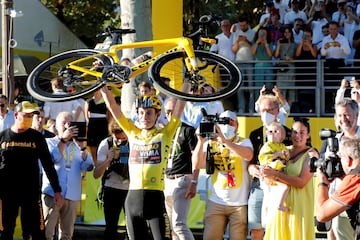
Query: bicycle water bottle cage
{"points": [[116, 74]]}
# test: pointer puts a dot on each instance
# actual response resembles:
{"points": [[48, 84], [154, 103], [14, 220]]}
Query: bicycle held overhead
{"points": [[180, 63]]}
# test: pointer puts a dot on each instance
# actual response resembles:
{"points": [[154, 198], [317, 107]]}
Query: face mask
{"points": [[25, 123], [267, 118], [228, 131]]}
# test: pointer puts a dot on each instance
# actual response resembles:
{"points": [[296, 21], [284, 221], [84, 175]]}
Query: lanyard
{"points": [[69, 155]]}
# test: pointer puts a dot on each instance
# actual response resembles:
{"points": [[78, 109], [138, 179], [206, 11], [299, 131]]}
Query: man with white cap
{"points": [[230, 180], [21, 148]]}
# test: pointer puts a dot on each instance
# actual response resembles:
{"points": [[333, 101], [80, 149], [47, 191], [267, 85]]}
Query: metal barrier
{"points": [[309, 86]]}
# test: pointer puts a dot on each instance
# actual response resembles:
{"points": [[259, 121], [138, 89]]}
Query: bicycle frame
{"points": [[181, 44]]}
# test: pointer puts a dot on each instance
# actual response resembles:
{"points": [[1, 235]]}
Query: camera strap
{"points": [[299, 153]]}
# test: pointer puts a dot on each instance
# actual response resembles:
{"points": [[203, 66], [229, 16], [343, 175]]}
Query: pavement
{"points": [[95, 232]]}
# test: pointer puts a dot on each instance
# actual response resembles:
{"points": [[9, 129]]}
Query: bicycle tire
{"points": [[225, 83], [38, 83]]}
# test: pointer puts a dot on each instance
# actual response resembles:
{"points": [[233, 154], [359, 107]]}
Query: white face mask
{"points": [[267, 118], [228, 131]]}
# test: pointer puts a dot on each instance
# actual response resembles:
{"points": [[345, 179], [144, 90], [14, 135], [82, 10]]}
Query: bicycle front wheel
{"points": [[214, 70], [39, 81]]}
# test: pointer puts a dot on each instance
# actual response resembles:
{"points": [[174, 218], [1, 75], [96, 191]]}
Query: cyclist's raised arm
{"points": [[180, 104], [110, 102]]}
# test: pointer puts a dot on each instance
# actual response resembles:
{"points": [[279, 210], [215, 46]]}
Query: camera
{"points": [[207, 129], [330, 165], [262, 34], [268, 91], [207, 124]]}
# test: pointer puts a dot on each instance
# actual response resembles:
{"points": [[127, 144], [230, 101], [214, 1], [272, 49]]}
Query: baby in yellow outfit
{"points": [[274, 154]]}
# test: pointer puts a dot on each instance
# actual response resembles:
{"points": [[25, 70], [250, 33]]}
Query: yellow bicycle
{"points": [[179, 63]]}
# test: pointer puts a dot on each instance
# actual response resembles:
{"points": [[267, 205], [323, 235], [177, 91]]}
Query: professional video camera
{"points": [[207, 124], [330, 165], [207, 129]]}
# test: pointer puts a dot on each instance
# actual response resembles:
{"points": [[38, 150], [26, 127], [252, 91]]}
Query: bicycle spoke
{"points": [[84, 76]]}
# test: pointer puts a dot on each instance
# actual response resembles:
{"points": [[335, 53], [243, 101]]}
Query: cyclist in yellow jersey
{"points": [[149, 149]]}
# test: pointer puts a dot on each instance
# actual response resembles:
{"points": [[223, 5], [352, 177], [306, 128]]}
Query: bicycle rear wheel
{"points": [[39, 81], [214, 70]]}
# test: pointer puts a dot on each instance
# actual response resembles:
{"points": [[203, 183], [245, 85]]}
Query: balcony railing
{"points": [[309, 86]]}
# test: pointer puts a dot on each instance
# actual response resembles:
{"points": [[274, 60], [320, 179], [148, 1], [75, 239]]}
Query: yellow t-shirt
{"points": [[266, 154], [228, 168], [148, 154]]}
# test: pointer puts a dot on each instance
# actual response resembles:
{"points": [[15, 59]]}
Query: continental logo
{"points": [[5, 145]]}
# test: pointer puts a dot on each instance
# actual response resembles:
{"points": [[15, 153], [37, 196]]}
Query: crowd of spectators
{"points": [[288, 31], [151, 161]]}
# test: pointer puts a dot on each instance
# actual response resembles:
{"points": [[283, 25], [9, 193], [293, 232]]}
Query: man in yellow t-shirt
{"points": [[149, 150], [230, 181]]}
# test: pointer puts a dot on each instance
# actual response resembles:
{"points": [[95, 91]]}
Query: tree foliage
{"points": [[224, 9], [85, 18]]}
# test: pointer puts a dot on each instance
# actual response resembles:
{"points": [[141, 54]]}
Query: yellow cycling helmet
{"points": [[148, 101]]}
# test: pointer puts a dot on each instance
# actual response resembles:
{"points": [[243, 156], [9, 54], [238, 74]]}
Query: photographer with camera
{"points": [[112, 165], [347, 195], [346, 115], [219, 144], [70, 158], [346, 82], [284, 107]]}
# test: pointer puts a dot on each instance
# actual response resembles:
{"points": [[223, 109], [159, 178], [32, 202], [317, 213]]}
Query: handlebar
{"points": [[110, 31], [203, 22], [205, 19]]}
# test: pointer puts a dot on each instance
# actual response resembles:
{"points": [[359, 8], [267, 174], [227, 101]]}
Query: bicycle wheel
{"points": [[214, 70], [39, 81]]}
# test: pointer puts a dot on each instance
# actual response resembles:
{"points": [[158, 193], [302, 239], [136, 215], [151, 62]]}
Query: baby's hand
{"points": [[277, 155], [285, 154]]}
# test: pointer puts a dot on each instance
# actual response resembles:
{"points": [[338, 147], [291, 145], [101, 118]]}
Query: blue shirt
{"points": [[7, 120], [68, 166], [192, 114]]}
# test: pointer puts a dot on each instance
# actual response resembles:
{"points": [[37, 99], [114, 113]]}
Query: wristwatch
{"points": [[194, 181]]}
